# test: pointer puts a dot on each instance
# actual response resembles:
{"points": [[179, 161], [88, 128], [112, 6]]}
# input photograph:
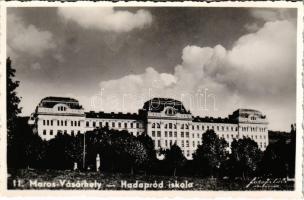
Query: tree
{"points": [[274, 160], [13, 100], [279, 157], [136, 152], [245, 157], [211, 154], [148, 143], [13, 110], [174, 158]]}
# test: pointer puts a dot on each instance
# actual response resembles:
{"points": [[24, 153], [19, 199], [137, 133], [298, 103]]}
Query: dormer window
{"points": [[170, 111], [61, 108]]}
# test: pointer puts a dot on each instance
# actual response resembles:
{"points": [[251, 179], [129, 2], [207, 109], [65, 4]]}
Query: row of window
{"points": [[60, 123], [186, 134], [253, 129], [207, 127], [51, 132], [113, 124], [169, 143]]}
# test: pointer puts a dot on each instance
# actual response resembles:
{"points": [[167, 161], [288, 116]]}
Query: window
{"points": [[119, 125], [174, 126], [94, 124], [166, 143], [153, 125], [153, 133], [197, 127], [137, 125], [207, 127], [65, 132], [187, 127], [61, 122], [223, 128], [175, 134], [182, 134], [236, 128], [113, 124], [158, 133], [44, 132], [158, 125], [57, 122], [218, 128], [72, 133], [71, 123], [212, 127], [100, 124], [158, 143], [166, 134], [192, 127], [87, 124], [131, 125], [203, 128], [126, 125], [183, 143], [65, 122], [197, 135], [170, 134], [166, 125], [43, 122], [51, 132], [182, 126], [187, 143], [170, 125], [193, 143], [187, 134], [51, 122]]}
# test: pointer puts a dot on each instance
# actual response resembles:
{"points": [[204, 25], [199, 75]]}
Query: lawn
{"points": [[75, 180]]}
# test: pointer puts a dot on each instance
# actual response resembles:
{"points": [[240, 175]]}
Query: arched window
{"points": [[153, 125], [158, 125]]}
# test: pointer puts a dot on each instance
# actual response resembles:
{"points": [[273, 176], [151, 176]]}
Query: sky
{"points": [[214, 60]]}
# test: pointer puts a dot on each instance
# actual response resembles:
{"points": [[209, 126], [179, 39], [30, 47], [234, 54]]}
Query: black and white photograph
{"points": [[148, 98]]}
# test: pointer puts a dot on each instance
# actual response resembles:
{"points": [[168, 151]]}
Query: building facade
{"points": [[166, 121]]}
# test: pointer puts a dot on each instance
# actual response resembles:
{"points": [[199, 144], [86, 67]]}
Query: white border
{"points": [[206, 194]]}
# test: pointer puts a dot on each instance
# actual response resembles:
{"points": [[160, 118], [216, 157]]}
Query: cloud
{"points": [[27, 39], [36, 66], [106, 18], [267, 14], [258, 72]]}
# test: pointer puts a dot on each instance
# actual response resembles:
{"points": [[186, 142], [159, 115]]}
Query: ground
{"points": [[66, 179]]}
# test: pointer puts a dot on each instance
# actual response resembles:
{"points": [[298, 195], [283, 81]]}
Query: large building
{"points": [[166, 121]]}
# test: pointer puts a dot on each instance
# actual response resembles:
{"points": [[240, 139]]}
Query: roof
{"points": [[50, 102], [112, 115], [158, 105], [214, 120], [246, 112]]}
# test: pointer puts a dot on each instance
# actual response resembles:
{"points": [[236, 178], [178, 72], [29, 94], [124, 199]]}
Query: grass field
{"points": [[75, 180]]}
